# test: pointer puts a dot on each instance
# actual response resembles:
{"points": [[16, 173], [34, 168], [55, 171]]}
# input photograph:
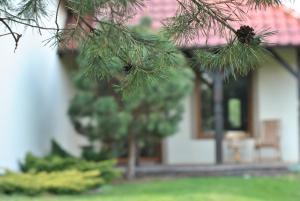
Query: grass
{"points": [[189, 189]]}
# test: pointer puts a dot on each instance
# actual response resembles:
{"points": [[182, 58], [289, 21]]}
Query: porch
{"points": [[247, 105], [246, 169]]}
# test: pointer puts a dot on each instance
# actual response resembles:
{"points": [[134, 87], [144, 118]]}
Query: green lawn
{"points": [[189, 189]]}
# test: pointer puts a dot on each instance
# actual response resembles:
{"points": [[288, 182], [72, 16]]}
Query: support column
{"points": [[218, 115]]}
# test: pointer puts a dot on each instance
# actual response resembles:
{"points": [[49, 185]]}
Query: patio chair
{"points": [[269, 137]]}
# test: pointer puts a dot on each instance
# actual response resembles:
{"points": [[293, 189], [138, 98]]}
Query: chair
{"points": [[269, 138]]}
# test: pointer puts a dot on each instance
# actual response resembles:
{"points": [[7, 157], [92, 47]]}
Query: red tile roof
{"points": [[279, 19]]}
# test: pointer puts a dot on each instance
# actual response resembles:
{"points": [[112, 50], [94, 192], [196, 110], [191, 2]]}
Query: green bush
{"points": [[56, 163], [63, 182], [57, 150], [90, 154]]}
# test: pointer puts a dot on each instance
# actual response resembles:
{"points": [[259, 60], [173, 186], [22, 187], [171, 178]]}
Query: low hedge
{"points": [[58, 174], [57, 163], [63, 182]]}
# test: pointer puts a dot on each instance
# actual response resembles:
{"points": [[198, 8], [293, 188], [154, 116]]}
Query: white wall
{"points": [[277, 99], [34, 93], [182, 148]]}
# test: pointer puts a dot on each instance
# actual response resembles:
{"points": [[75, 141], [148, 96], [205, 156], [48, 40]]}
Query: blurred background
{"points": [[42, 101]]}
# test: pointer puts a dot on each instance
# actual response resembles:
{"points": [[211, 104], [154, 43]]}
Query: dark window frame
{"points": [[199, 132]]}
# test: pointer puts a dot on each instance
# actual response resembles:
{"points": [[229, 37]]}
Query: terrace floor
{"points": [[255, 169]]}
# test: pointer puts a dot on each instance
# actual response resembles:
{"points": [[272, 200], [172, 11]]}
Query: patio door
{"points": [[237, 105]]}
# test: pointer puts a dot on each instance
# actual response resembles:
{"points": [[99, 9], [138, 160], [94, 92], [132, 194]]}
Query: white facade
{"points": [[274, 97], [183, 148], [35, 91]]}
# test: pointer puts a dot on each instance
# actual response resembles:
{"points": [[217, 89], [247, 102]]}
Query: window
{"points": [[236, 104], [204, 105], [234, 112]]}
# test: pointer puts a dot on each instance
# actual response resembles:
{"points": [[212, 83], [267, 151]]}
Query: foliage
{"points": [[62, 182], [55, 163], [236, 59], [57, 150], [90, 154], [89, 174], [196, 18], [100, 113], [99, 27], [142, 64]]}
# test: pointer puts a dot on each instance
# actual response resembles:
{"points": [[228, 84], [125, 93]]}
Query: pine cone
{"points": [[127, 68], [245, 34]]}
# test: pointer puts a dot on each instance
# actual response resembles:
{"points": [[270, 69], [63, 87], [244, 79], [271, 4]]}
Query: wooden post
{"points": [[218, 115]]}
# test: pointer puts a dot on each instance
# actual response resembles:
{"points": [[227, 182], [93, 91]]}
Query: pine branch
{"points": [[108, 47], [56, 17], [15, 35]]}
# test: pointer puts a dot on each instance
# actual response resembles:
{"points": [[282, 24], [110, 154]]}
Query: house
{"points": [[270, 92], [36, 89]]}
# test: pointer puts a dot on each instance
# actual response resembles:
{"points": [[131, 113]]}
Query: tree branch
{"points": [[15, 35], [56, 17]]}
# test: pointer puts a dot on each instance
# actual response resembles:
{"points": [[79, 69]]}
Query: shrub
{"points": [[57, 150], [90, 154], [56, 163], [63, 182]]}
